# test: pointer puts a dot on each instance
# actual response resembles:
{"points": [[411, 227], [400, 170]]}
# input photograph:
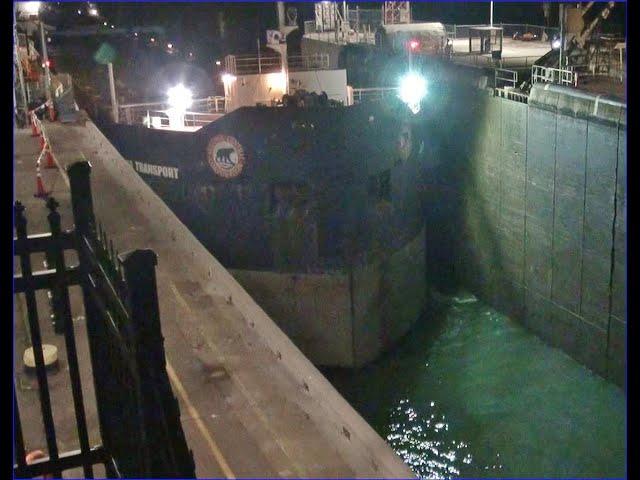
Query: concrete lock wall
{"points": [[544, 224]]}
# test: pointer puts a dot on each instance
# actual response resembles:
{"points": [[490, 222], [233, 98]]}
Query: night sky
{"points": [[202, 33], [235, 26]]}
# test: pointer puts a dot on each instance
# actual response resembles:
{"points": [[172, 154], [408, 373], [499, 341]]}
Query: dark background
{"points": [[203, 33]]}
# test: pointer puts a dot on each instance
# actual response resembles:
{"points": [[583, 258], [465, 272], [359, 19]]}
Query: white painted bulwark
{"points": [[267, 88]]}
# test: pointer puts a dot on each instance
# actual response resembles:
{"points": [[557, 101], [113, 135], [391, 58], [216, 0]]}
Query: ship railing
{"points": [[377, 94], [554, 75], [509, 94], [135, 113], [359, 18], [253, 64], [159, 119], [363, 34], [316, 61], [508, 29], [485, 60], [504, 77]]}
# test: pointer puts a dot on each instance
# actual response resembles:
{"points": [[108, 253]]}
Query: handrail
{"points": [[134, 113], [554, 75], [505, 76], [252, 64], [485, 60], [189, 119], [511, 95], [373, 94], [452, 29]]}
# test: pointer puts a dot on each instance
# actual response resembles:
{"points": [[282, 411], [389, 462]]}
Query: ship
{"points": [[308, 197]]}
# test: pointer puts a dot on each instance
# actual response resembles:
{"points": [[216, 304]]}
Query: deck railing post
{"points": [[79, 175]]}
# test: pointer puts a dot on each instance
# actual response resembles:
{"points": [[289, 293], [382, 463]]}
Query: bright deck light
{"points": [[180, 98], [227, 78], [556, 43], [413, 88], [30, 8], [93, 11]]}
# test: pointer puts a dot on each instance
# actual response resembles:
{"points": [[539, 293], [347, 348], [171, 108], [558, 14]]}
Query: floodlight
{"points": [[413, 88], [30, 8], [179, 98]]}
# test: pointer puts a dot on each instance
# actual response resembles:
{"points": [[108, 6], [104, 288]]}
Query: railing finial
{"points": [[52, 204]]}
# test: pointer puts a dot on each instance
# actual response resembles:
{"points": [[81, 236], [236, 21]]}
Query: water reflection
{"points": [[482, 397], [424, 442]]}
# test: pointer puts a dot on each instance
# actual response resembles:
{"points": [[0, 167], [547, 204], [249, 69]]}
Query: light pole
{"points": [[23, 92], [561, 12], [112, 91], [491, 14], [45, 58]]}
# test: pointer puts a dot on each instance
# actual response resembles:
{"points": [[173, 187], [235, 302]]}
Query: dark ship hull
{"points": [[315, 211]]}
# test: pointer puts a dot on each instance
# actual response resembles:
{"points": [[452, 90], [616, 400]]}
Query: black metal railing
{"points": [[138, 415]]}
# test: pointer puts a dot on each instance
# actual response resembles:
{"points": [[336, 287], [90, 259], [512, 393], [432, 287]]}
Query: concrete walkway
{"points": [[252, 405]]}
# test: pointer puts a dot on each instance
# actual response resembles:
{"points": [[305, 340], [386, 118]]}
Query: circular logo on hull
{"points": [[225, 156]]}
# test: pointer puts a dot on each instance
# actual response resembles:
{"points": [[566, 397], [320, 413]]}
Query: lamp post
{"points": [[491, 14], [19, 65], [45, 58], [561, 12], [112, 91]]}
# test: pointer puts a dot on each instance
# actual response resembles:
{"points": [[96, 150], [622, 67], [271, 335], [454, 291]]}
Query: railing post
{"points": [[64, 324], [84, 220], [170, 455], [35, 336], [79, 175], [55, 260]]}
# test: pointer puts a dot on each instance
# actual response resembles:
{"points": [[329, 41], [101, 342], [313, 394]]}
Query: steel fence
{"points": [[135, 113], [254, 64], [554, 75]]}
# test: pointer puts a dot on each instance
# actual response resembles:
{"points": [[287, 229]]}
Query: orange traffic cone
{"points": [[50, 161], [52, 112], [40, 191], [34, 127]]}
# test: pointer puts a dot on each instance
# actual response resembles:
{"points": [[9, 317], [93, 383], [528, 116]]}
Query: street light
{"points": [[413, 88], [93, 11]]}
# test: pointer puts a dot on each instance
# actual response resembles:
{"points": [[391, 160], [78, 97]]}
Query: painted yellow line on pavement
{"points": [[199, 423], [293, 464]]}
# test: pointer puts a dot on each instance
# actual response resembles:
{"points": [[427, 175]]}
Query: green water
{"points": [[473, 394]]}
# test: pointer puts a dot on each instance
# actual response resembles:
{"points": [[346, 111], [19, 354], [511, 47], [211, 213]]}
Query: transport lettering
{"points": [[157, 170]]}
